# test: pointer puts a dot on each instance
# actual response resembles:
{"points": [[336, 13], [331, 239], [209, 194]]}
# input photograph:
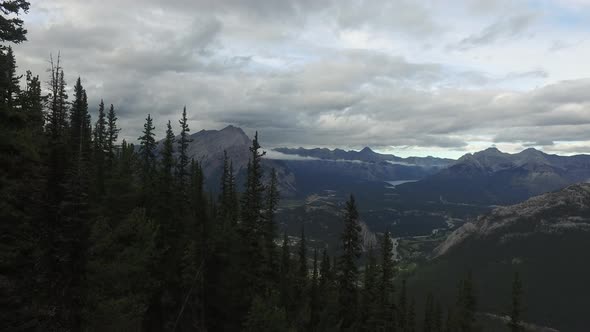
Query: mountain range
{"points": [[492, 177]]}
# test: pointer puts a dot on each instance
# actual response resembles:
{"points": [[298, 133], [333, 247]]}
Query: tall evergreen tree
{"points": [[269, 231], [147, 156], [386, 300], [411, 322], [314, 298], [515, 323], [428, 325], [347, 268], [183, 157], [403, 307], [285, 273], [99, 149], [466, 304], [112, 134], [252, 222], [369, 309]]}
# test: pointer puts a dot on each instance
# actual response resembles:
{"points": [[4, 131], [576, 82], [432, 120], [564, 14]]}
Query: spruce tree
{"points": [[515, 323], [347, 268], [386, 293], [269, 231], [466, 304], [437, 324], [183, 157], [99, 149], [411, 322], [112, 134], [285, 273], [314, 298], [428, 325], [403, 307], [147, 156], [369, 308]]}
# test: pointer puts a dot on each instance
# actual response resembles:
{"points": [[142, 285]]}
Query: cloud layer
{"points": [[407, 76]]}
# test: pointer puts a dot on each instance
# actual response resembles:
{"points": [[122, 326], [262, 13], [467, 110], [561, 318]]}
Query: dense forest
{"points": [[100, 234]]}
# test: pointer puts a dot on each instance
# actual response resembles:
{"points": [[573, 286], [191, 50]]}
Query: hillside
{"points": [[546, 239]]}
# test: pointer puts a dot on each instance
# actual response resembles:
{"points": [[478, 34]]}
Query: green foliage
{"points": [[347, 266], [11, 28], [515, 323], [120, 272]]}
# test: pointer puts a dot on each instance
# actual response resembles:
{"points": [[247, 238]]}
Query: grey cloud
{"points": [[505, 28], [216, 58]]}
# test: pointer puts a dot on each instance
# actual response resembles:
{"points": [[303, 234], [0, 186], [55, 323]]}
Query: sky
{"points": [[407, 77]]}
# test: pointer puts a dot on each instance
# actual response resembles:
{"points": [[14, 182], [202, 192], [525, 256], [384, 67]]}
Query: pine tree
{"points": [[112, 134], [437, 324], [466, 305], [347, 269], [386, 292], [403, 307], [302, 270], [411, 323], [285, 273], [428, 325], [80, 129], [54, 263], [449, 323], [272, 201], [251, 226], [314, 306], [20, 201], [147, 156], [183, 157], [369, 309], [99, 148], [515, 323], [32, 104]]}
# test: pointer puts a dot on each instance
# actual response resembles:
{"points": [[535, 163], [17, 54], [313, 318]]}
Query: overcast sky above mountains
{"points": [[408, 77]]}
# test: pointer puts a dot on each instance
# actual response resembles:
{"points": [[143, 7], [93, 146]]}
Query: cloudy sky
{"points": [[403, 76]]}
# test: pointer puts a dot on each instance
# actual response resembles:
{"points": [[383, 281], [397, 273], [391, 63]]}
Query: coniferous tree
{"points": [[437, 323], [428, 325], [314, 306], [466, 305], [112, 134], [515, 323], [269, 231], [403, 307], [449, 326], [99, 148], [411, 322], [386, 301], [285, 273], [55, 261], [347, 268], [369, 309], [252, 222], [147, 156], [183, 157], [20, 200]]}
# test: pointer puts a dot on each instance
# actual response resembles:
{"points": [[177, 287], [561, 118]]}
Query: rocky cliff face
{"points": [[554, 212]]}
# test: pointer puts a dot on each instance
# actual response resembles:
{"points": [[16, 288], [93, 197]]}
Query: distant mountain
{"points": [[207, 147], [546, 239], [493, 177], [367, 155]]}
